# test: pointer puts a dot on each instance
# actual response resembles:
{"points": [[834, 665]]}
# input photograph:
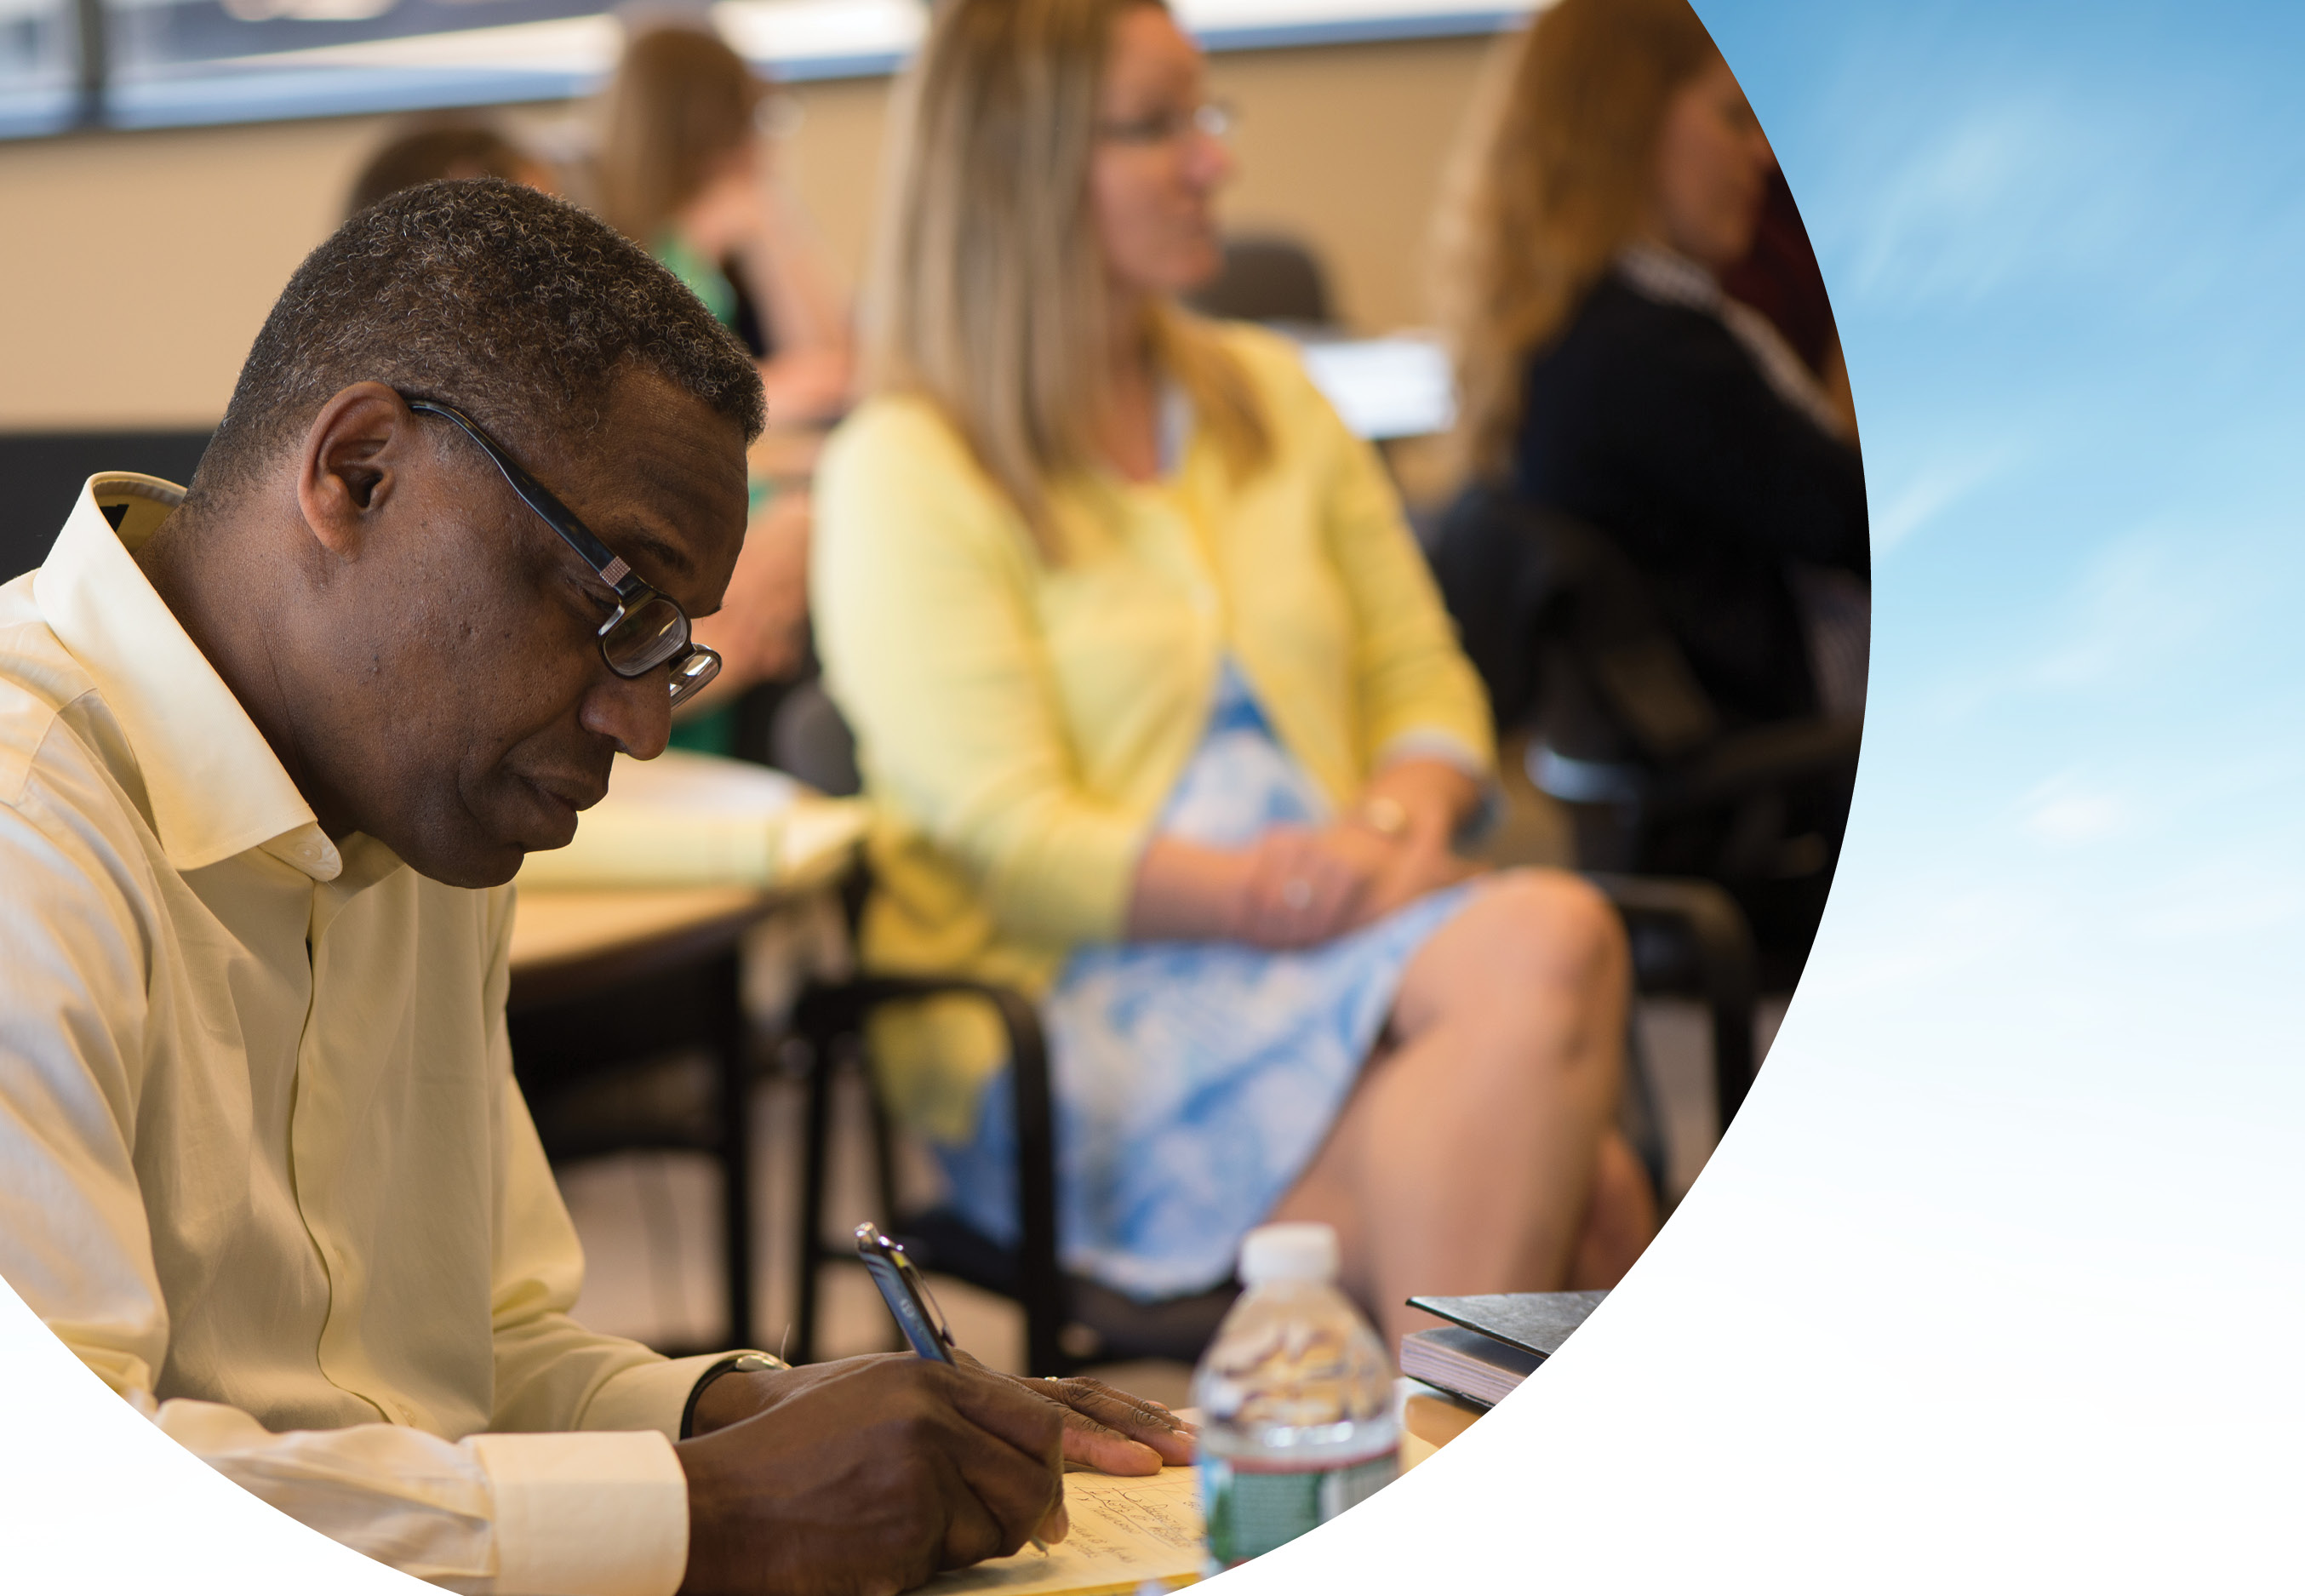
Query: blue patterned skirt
{"points": [[1194, 1081]]}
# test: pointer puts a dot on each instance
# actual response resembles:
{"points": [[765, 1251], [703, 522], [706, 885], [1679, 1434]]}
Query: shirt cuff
{"points": [[593, 1514], [1430, 742], [650, 1396], [1072, 882]]}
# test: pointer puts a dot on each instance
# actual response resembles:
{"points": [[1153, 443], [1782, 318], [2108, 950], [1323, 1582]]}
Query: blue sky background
{"points": [[1998, 1282], [2065, 244]]}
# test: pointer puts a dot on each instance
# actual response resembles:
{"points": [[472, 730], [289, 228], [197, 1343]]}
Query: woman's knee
{"points": [[1536, 946], [1558, 930]]}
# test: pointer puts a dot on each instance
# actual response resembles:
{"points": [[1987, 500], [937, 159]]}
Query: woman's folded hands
{"points": [[1301, 886], [1304, 887]]}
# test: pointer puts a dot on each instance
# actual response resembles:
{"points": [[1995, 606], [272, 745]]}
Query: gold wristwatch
{"points": [[1386, 816]]}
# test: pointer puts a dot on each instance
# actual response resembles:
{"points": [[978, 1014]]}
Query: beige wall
{"points": [[135, 268]]}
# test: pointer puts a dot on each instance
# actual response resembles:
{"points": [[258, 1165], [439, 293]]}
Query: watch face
{"points": [[1387, 815]]}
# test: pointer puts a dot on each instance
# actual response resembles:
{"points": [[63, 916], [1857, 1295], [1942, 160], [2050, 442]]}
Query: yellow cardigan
{"points": [[1020, 724]]}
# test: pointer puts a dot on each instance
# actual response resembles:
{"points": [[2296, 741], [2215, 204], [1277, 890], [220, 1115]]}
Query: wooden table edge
{"points": [[540, 983]]}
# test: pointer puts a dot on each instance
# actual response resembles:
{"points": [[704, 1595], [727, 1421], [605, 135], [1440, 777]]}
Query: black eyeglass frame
{"points": [[693, 663]]}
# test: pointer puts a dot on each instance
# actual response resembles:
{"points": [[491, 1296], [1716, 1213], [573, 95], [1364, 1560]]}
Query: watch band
{"points": [[735, 1363]]}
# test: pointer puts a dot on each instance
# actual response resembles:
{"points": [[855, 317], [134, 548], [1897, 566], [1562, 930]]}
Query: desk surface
{"points": [[567, 942], [553, 927]]}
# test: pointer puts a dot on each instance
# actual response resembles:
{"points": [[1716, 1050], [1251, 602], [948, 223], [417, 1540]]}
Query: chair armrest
{"points": [[828, 1009], [1768, 756]]}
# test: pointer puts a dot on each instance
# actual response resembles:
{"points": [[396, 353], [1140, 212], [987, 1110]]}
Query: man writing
{"points": [[269, 750]]}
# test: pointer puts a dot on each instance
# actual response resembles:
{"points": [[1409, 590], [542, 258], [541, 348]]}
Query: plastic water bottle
{"points": [[1297, 1421]]}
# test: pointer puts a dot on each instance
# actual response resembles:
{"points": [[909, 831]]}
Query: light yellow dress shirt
{"points": [[263, 1162], [1021, 722]]}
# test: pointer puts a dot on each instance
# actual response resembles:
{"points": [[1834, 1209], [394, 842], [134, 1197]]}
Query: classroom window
{"points": [[180, 63], [39, 65]]}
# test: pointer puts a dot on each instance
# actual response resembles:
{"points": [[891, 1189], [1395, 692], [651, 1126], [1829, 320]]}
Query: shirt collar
{"points": [[1669, 276], [215, 785], [1674, 279]]}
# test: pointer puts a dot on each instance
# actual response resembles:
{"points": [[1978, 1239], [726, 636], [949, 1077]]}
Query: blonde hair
{"points": [[1551, 182], [681, 100], [989, 297]]}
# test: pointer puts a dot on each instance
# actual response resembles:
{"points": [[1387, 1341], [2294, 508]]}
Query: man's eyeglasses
{"points": [[1212, 119], [648, 629]]}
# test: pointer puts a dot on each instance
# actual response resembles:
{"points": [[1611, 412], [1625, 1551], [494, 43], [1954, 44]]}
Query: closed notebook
{"points": [[1466, 1363], [1495, 1342]]}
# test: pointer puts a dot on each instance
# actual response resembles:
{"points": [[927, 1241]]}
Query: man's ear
{"points": [[353, 462]]}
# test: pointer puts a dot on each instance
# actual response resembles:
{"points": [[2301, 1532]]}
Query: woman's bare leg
{"points": [[1619, 1223], [1471, 1155]]}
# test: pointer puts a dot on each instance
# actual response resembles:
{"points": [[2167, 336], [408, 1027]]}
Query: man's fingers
{"points": [[1004, 1408], [1098, 1411], [1014, 1469], [974, 1528], [1107, 1451], [1015, 1496], [1104, 1449]]}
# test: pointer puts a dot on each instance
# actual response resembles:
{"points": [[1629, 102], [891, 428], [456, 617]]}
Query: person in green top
{"points": [[686, 170]]}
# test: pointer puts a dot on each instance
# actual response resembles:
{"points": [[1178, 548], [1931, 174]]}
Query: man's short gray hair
{"points": [[519, 308]]}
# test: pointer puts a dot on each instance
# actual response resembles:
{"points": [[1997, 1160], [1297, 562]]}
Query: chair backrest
{"points": [[809, 738], [41, 472], [1564, 634], [1269, 279]]}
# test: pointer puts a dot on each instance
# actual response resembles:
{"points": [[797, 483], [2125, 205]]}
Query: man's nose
{"points": [[635, 712]]}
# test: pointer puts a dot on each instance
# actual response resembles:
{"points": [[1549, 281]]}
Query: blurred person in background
{"points": [[435, 147], [686, 168], [1779, 278], [1603, 372], [1163, 721]]}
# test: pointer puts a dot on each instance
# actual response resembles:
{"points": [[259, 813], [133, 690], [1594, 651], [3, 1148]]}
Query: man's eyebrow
{"points": [[626, 536]]}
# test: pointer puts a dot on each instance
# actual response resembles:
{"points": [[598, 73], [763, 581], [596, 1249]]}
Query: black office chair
{"points": [[1685, 938], [593, 1047], [1562, 630], [43, 471], [1070, 1321]]}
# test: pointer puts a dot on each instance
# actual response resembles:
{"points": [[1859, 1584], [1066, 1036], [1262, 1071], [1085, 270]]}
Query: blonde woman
{"points": [[1604, 373], [1164, 720]]}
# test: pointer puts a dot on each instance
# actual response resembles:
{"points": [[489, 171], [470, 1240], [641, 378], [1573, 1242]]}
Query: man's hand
{"points": [[1110, 1430], [1106, 1429], [870, 1475]]}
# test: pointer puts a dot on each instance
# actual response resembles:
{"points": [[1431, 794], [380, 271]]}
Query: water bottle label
{"points": [[1251, 1508]]}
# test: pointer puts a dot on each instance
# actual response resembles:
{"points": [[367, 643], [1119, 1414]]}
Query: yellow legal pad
{"points": [[1127, 1531]]}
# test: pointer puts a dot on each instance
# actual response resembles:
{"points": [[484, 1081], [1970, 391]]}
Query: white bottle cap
{"points": [[1273, 1252]]}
